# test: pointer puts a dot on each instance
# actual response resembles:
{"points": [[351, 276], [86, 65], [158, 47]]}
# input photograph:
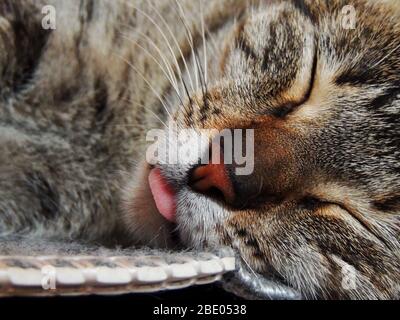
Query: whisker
{"points": [[147, 82], [157, 62], [204, 40], [168, 67], [210, 36], [385, 57], [175, 41], [189, 36], [162, 33], [196, 71], [157, 235], [148, 109], [182, 18], [248, 265], [160, 53]]}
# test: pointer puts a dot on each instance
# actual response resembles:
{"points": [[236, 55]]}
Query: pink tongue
{"points": [[163, 194]]}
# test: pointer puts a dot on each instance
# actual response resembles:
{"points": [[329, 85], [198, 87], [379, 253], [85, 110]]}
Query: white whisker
{"points": [[148, 109], [251, 269], [162, 33], [204, 41], [160, 53], [176, 43], [147, 82], [156, 61], [196, 71], [385, 57], [189, 36]]}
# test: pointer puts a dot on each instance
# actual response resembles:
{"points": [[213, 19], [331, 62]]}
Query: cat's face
{"points": [[323, 200]]}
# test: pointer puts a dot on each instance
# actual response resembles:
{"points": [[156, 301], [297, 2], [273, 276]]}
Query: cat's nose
{"points": [[213, 180]]}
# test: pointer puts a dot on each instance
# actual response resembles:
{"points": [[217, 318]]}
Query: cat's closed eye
{"points": [[319, 152]]}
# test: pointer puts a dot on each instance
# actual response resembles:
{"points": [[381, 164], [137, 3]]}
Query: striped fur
{"points": [[76, 103]]}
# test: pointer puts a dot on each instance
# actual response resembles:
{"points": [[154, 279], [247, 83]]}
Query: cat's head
{"points": [[320, 100]]}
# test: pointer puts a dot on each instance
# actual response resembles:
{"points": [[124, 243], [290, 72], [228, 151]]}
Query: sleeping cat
{"points": [[319, 212]]}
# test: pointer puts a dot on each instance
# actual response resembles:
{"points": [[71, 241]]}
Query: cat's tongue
{"points": [[163, 194]]}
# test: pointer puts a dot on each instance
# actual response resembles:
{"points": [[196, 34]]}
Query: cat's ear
{"points": [[253, 286]]}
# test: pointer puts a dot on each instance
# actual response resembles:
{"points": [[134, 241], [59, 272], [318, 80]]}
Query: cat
{"points": [[317, 82]]}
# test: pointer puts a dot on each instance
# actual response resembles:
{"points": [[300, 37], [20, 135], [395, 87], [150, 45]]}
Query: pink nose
{"points": [[208, 178]]}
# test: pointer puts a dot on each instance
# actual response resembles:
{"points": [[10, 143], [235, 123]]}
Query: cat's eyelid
{"points": [[287, 108], [283, 110]]}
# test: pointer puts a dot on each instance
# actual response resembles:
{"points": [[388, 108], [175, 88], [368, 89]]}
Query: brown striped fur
{"points": [[76, 103]]}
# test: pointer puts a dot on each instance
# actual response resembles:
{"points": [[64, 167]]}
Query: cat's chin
{"points": [[142, 219], [149, 226]]}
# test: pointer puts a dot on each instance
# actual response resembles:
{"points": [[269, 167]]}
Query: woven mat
{"points": [[48, 267], [32, 267], [77, 275]]}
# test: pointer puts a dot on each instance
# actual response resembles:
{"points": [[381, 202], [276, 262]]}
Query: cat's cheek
{"points": [[140, 215]]}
